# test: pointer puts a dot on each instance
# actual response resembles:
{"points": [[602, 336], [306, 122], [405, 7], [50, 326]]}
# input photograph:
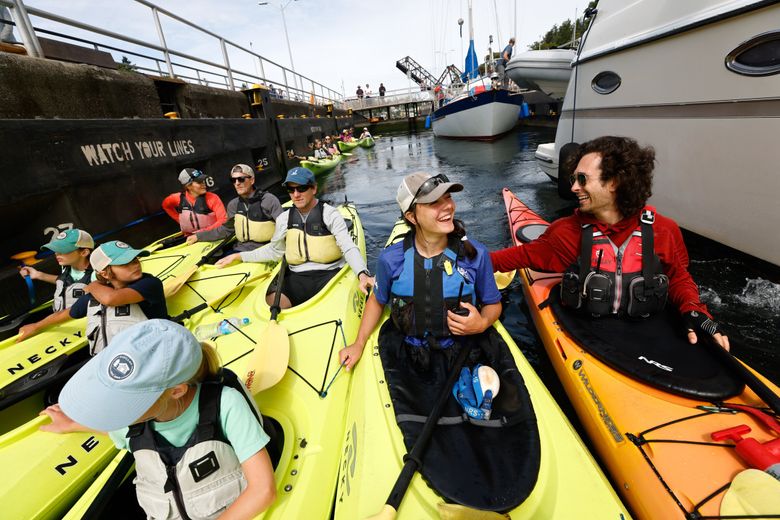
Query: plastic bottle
{"points": [[226, 326]]}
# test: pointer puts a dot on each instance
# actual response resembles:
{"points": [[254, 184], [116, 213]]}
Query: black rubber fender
{"points": [[564, 186]]}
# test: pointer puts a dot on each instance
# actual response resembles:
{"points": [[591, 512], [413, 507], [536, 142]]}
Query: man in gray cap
{"points": [[328, 245], [194, 208], [251, 215]]}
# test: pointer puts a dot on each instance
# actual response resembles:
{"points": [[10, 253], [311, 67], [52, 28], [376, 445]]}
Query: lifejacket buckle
{"points": [[647, 217]]}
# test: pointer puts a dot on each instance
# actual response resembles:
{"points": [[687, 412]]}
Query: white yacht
{"points": [[698, 80]]}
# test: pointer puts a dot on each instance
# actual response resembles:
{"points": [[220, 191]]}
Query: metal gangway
{"points": [[416, 72], [163, 58]]}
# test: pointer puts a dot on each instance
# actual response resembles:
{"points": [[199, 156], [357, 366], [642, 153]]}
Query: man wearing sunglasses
{"points": [[600, 248], [251, 216], [194, 208], [313, 237]]}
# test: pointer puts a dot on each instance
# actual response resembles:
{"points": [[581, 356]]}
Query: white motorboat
{"points": [[547, 70], [700, 82]]}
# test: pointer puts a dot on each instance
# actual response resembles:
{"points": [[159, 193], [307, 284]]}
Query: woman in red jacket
{"points": [[194, 208]]}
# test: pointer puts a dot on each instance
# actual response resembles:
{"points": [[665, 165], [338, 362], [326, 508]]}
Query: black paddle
{"points": [[414, 458], [750, 379]]}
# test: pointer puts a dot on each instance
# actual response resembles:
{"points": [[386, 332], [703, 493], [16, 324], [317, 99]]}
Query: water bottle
{"points": [[226, 326]]}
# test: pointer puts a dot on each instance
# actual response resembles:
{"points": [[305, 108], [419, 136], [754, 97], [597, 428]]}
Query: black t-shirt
{"points": [[153, 304]]}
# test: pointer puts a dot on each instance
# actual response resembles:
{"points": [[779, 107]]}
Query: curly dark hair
{"points": [[628, 163]]}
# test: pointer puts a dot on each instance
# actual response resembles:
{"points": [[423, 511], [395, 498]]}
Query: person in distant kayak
{"points": [[122, 296], [251, 216], [195, 208], [437, 282], [366, 134], [197, 438], [313, 237], [600, 248], [71, 248], [320, 152], [330, 146]]}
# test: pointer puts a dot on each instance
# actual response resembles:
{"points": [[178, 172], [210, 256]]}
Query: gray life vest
{"points": [[104, 322], [198, 480], [67, 290]]}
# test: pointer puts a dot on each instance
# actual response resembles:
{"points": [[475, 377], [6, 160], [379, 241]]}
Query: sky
{"points": [[339, 43]]}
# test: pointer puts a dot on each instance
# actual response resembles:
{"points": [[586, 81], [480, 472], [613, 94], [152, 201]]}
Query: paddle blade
{"points": [[172, 285], [269, 360], [752, 492], [504, 279], [388, 512]]}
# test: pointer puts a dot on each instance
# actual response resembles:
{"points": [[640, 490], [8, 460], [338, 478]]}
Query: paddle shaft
{"points": [[750, 379], [418, 450], [278, 294]]}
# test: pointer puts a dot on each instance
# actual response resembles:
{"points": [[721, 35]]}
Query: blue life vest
{"points": [[427, 288]]}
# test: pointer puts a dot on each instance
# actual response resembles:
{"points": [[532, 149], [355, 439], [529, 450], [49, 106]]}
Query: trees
{"points": [[561, 35]]}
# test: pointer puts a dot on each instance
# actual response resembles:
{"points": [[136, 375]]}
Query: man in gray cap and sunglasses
{"points": [[251, 216]]}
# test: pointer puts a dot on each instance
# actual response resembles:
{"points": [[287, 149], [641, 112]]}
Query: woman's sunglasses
{"points": [[428, 186], [299, 189], [239, 180], [579, 178]]}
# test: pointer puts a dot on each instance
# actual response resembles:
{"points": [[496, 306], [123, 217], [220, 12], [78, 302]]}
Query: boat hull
{"points": [[484, 116], [545, 70]]}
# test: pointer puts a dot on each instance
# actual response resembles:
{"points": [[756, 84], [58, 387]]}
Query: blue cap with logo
{"points": [[70, 240], [114, 253], [299, 175], [121, 383]]}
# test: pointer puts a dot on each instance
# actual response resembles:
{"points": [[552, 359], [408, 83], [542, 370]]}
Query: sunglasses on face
{"points": [[299, 189], [579, 178], [428, 186], [238, 180]]}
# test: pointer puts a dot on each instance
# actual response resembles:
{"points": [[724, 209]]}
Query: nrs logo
{"points": [[656, 363]]}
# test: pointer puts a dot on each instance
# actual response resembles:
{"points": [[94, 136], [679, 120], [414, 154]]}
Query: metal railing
{"points": [[164, 60], [391, 97]]}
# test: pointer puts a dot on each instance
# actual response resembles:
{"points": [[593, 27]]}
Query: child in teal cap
{"points": [[122, 296], [71, 249], [196, 435]]}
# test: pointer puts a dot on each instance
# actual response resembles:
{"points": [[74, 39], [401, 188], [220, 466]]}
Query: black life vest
{"points": [[626, 280], [195, 217], [427, 288]]}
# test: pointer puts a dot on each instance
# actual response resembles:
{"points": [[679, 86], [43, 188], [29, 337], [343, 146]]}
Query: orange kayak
{"points": [[649, 408]]}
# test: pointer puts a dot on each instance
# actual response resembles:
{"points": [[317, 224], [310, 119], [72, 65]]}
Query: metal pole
{"points": [[26, 30], [286, 87], [162, 41], [227, 64], [287, 37]]}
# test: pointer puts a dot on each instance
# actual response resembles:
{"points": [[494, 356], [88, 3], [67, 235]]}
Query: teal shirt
{"points": [[236, 417], [76, 274]]}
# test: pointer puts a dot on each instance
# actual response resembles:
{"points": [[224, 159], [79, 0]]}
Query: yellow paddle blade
{"points": [[504, 279], [172, 285], [388, 512], [458, 512], [752, 492], [268, 362]]}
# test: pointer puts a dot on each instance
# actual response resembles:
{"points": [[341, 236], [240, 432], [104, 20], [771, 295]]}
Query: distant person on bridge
{"points": [[604, 248], [313, 237], [368, 91], [359, 93], [194, 208], [382, 90], [506, 55], [251, 215]]}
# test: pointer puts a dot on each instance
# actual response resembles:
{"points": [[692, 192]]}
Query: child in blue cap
{"points": [[197, 438], [122, 296], [71, 248]]}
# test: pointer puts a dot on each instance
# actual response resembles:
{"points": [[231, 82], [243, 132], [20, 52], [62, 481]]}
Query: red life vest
{"points": [[195, 217], [617, 280]]}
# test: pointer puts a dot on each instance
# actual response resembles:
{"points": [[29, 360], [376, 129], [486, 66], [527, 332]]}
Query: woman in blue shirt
{"points": [[438, 283]]}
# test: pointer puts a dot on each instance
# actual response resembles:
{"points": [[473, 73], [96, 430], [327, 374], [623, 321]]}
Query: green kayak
{"points": [[320, 166], [345, 147], [366, 142]]}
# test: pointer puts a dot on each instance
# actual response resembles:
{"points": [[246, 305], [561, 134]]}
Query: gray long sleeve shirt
{"points": [[275, 249], [269, 205]]}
